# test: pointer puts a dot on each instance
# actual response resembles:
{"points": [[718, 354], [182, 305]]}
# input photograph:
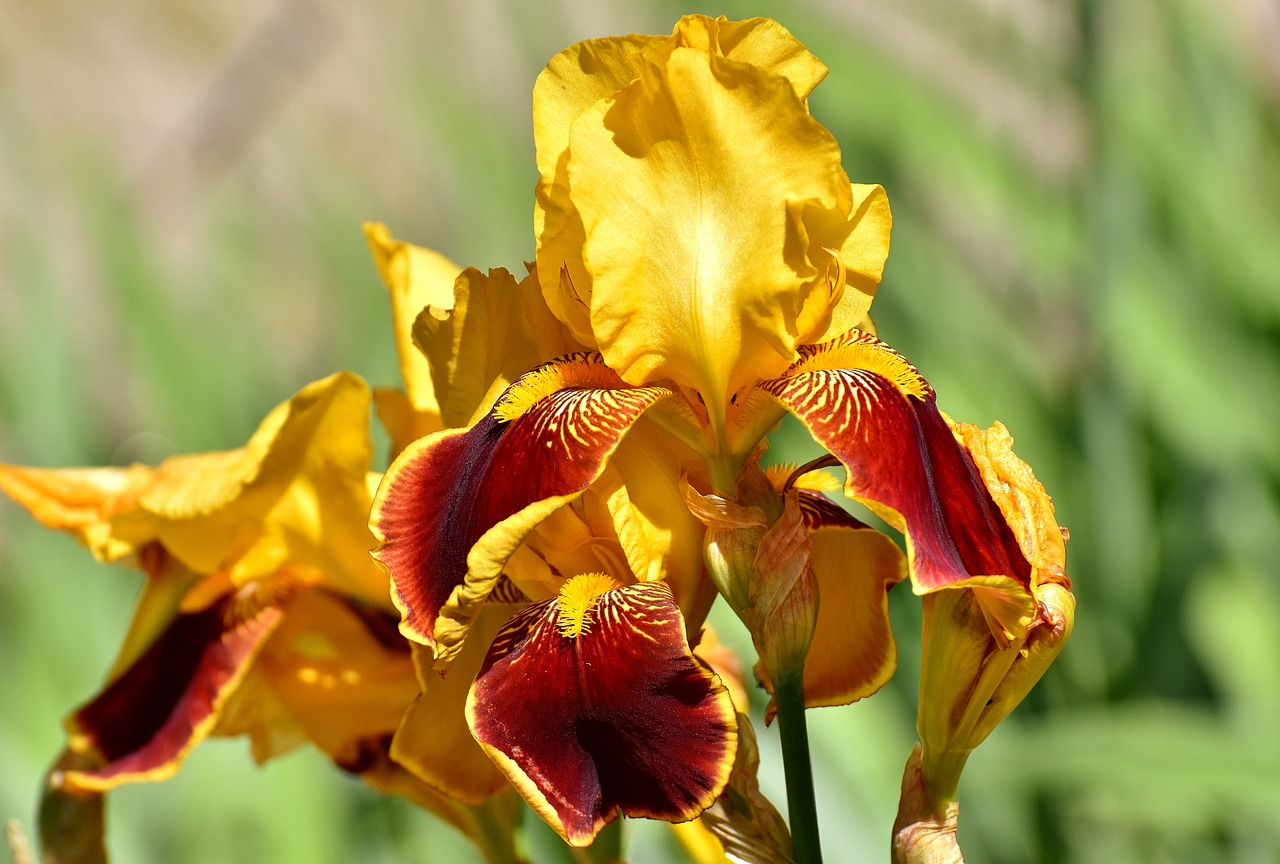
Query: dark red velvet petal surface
{"points": [[619, 718], [445, 491], [900, 453], [146, 720]]}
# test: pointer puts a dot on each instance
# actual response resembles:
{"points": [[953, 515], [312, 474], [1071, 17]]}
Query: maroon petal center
{"points": [[145, 721], [617, 718]]}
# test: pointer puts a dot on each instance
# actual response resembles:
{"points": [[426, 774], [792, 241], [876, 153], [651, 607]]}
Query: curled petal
{"points": [[873, 411], [454, 506], [592, 704], [573, 81], [80, 501], [145, 722], [295, 494], [744, 823], [860, 261], [496, 330], [1022, 499]]}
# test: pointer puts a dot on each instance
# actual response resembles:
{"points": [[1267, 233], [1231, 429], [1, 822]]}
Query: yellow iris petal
{"points": [[433, 740], [334, 680], [702, 189], [295, 495], [487, 340], [587, 72], [862, 258], [415, 279], [300, 493]]}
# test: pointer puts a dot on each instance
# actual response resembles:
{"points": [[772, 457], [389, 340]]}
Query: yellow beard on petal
{"points": [[863, 351], [531, 388], [577, 598]]}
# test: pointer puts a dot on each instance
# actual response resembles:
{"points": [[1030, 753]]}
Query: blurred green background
{"points": [[1086, 246]]}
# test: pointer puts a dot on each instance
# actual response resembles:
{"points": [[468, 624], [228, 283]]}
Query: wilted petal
{"points": [[454, 506], [592, 704], [873, 411], [744, 823], [853, 653], [143, 724]]}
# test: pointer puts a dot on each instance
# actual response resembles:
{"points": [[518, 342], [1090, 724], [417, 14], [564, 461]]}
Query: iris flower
{"points": [[564, 585], [261, 614], [708, 266]]}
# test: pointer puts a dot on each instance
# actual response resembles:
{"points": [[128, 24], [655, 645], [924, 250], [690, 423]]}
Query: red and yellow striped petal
{"points": [[593, 705], [870, 408], [454, 506], [145, 722]]}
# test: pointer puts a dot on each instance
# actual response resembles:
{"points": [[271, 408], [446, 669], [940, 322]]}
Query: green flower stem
{"points": [[802, 809]]}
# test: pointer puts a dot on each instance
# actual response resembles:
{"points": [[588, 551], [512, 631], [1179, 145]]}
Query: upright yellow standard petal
{"points": [[700, 187], [586, 72], [415, 278], [497, 330]]}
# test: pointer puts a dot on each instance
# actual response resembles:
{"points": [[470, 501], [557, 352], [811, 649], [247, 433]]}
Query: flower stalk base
{"points": [[925, 829]]}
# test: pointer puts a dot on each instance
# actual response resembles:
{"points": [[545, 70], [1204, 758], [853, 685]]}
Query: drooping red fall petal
{"points": [[144, 723], [617, 718], [870, 408], [455, 505]]}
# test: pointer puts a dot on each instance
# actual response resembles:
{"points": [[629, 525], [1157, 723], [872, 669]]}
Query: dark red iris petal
{"points": [[446, 491], [620, 718], [424, 550], [144, 722], [899, 452]]}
